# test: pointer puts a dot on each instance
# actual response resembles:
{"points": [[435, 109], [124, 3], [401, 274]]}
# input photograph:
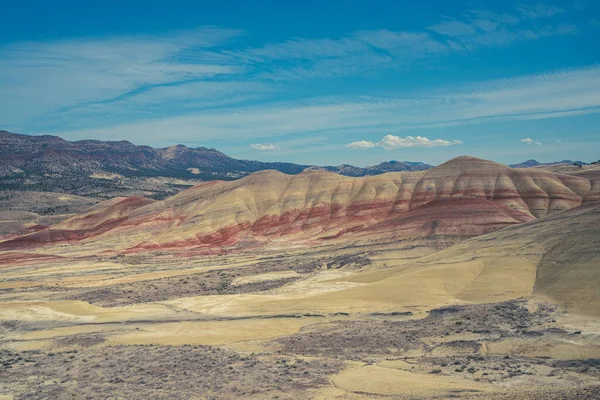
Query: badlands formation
{"points": [[463, 197], [468, 280]]}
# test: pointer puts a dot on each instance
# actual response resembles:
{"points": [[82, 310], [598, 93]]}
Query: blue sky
{"points": [[316, 82]]}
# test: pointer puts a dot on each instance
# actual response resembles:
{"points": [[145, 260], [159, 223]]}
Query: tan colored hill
{"points": [[24, 212], [569, 271], [381, 304], [463, 197], [555, 258]]}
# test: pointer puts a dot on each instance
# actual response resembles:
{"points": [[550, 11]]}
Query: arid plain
{"points": [[468, 280]]}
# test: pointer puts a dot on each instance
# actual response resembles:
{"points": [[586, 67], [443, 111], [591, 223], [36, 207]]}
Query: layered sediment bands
{"points": [[532, 191], [14, 258], [456, 216], [465, 196], [104, 217], [593, 177]]}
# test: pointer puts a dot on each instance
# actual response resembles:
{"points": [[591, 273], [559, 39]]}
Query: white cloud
{"points": [[530, 141], [362, 144], [390, 142], [265, 147]]}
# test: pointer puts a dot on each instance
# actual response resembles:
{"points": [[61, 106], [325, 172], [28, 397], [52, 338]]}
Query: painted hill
{"points": [[552, 259], [555, 258], [463, 197]]}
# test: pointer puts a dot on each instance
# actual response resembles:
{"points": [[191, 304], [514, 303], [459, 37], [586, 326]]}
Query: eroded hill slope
{"points": [[463, 197]]}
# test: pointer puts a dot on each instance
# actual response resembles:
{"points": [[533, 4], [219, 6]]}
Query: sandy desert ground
{"points": [[511, 314]]}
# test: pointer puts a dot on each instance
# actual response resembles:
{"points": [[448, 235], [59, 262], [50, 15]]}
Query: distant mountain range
{"points": [[535, 163], [115, 168], [386, 166], [85, 167]]}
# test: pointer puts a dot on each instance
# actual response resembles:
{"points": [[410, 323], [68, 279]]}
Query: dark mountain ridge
{"points": [[50, 163], [535, 163]]}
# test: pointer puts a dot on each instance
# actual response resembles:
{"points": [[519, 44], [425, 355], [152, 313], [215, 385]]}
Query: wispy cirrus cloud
{"points": [[200, 85], [540, 96], [367, 51], [47, 77], [482, 27], [390, 142], [539, 10], [356, 52]]}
